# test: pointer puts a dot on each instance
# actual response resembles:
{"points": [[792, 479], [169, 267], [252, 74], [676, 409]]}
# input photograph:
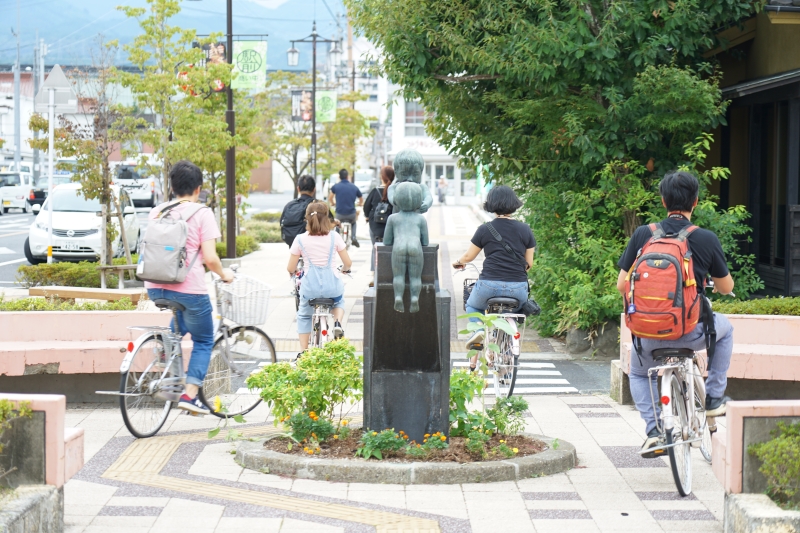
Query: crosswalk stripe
{"points": [[534, 381], [547, 390], [525, 383]]}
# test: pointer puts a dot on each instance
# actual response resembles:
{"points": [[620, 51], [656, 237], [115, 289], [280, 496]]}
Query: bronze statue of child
{"points": [[408, 167], [407, 232]]}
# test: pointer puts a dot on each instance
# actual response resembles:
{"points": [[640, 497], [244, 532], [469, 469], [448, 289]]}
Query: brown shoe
{"points": [[371, 283]]}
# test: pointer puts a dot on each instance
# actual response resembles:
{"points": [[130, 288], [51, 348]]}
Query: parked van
{"points": [[15, 188]]}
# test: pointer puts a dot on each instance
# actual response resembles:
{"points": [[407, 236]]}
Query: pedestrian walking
{"points": [[377, 210], [442, 189]]}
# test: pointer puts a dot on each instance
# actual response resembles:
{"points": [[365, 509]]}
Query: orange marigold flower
{"points": [[427, 435], [405, 436], [443, 437]]}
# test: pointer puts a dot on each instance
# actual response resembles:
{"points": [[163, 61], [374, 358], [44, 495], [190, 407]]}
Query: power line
{"points": [[84, 26], [248, 16], [85, 39]]}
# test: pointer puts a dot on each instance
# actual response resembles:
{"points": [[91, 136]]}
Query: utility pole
{"points": [[17, 104], [35, 75], [230, 155], [351, 64]]}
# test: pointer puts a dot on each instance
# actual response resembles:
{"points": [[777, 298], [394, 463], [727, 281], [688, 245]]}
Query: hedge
{"points": [[761, 306], [266, 217], [66, 274], [56, 304], [263, 231], [244, 245]]}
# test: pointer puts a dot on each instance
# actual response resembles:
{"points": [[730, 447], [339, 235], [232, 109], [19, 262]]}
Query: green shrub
{"points": [[266, 217], [263, 231], [781, 463], [464, 386], [761, 306], [244, 245], [323, 379], [508, 415], [375, 444], [56, 304], [475, 443], [9, 410], [67, 274]]}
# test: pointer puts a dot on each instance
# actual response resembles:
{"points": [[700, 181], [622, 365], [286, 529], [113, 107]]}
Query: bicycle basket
{"points": [[244, 301], [469, 284]]}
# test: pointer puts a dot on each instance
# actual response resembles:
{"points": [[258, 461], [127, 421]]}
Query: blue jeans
{"points": [[197, 320], [717, 378], [485, 289], [305, 312]]}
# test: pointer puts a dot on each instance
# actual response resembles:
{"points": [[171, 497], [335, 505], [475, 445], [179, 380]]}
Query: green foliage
{"points": [[475, 443], [67, 274], [323, 379], [503, 450], [266, 216], [508, 415], [263, 231], [305, 426], [56, 304], [781, 462], [464, 386], [581, 106], [245, 244], [375, 444], [761, 306], [10, 410]]}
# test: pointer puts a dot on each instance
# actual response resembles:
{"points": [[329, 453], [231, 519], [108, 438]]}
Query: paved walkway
{"points": [[182, 481]]}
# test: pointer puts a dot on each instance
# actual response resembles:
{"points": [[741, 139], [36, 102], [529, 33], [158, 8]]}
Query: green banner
{"points": [[326, 106], [249, 64]]}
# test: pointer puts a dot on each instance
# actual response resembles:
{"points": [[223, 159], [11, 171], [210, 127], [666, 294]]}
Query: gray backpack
{"points": [[163, 254]]}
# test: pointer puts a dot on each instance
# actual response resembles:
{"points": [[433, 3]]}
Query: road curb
{"points": [[253, 456]]}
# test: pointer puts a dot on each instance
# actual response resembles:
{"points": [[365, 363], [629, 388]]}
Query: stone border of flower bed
{"points": [[33, 509], [252, 455]]}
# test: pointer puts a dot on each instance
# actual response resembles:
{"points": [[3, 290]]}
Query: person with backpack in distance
{"points": [[320, 277], [377, 210], [343, 197], [181, 237], [660, 258], [293, 217]]}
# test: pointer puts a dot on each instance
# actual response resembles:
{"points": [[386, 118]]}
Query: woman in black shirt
{"points": [[504, 270], [376, 197]]}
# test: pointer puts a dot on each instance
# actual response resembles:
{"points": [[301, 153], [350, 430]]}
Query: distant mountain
{"points": [[70, 27]]}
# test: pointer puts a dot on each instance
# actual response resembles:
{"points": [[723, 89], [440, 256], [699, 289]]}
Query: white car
{"points": [[76, 226], [363, 179], [15, 188], [143, 190]]}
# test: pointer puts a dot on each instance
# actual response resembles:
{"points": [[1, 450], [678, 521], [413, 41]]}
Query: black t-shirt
{"points": [[499, 265], [705, 247]]}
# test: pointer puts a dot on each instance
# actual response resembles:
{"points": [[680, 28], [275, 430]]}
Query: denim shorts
{"points": [[305, 312]]}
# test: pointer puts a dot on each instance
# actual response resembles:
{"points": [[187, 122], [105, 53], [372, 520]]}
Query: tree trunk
{"points": [[630, 222]]}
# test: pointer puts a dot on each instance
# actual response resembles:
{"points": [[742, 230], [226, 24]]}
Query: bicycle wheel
{"points": [[505, 366], [248, 350], [680, 455], [145, 413], [700, 414]]}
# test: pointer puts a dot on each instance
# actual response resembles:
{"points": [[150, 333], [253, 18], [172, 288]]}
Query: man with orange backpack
{"points": [[662, 281]]}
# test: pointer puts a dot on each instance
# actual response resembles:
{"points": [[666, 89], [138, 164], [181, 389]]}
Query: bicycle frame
{"points": [[684, 369], [322, 319], [347, 236]]}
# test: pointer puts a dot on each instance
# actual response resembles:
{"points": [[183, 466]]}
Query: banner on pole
{"points": [[326, 106], [302, 106], [249, 64]]}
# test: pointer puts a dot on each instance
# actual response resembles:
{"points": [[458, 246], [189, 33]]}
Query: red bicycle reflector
{"points": [[325, 332], [665, 400], [130, 346], [517, 335]]}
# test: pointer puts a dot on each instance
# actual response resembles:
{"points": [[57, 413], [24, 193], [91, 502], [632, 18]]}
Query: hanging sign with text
{"points": [[249, 64], [326, 106]]}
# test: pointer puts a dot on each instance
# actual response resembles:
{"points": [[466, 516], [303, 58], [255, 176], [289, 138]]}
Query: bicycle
{"points": [[501, 347], [346, 230], [297, 278], [322, 321], [152, 376]]}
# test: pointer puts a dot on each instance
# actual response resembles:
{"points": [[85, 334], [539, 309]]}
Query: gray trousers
{"points": [[717, 374]]}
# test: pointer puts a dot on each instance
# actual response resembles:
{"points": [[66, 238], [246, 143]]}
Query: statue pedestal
{"points": [[407, 355]]}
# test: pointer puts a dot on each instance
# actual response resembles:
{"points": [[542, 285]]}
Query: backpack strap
{"points": [[506, 247], [685, 232], [657, 230], [330, 252]]}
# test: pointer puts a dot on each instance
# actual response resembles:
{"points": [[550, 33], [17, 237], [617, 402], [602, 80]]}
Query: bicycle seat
{"points": [[502, 300], [323, 302], [663, 353], [163, 303]]}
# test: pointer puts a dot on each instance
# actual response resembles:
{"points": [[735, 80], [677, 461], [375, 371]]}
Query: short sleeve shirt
{"points": [[201, 227], [346, 194], [318, 249], [499, 265], [707, 254]]}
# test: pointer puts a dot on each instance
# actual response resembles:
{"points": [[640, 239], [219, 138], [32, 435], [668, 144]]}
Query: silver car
{"points": [[143, 190]]}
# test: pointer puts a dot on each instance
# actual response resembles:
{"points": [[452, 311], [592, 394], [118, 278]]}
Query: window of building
{"points": [[415, 116]]}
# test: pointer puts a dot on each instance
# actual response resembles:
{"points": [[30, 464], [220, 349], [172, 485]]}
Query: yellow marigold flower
{"points": [[374, 433], [427, 435], [424, 441], [217, 404], [443, 437], [488, 432], [312, 414], [314, 435], [344, 422], [515, 450], [502, 442], [336, 437]]}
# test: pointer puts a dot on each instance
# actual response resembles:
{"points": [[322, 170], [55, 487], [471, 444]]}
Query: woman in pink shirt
{"points": [[321, 278], [186, 180]]}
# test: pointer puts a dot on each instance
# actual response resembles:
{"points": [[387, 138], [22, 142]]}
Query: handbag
{"points": [[530, 307]]}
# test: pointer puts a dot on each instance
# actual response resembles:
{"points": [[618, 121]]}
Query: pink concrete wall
{"points": [[54, 407], [736, 413]]}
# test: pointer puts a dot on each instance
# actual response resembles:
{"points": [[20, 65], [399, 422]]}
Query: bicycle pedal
{"points": [[478, 347]]}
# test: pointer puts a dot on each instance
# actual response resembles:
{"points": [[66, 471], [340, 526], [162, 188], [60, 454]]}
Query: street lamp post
{"points": [[293, 58]]}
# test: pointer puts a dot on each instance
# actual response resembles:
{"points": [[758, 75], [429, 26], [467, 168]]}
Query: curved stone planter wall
{"points": [[252, 455]]}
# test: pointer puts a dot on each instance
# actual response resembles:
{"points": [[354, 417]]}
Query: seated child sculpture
{"points": [[408, 166], [407, 231]]}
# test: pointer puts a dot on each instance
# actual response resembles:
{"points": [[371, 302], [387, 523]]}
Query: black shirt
{"points": [[499, 265], [373, 199], [705, 247]]}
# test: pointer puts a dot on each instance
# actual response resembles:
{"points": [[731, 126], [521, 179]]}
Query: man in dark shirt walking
{"points": [[679, 194], [343, 196]]}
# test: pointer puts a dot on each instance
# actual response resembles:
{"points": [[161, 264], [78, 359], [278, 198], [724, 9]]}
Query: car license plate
{"points": [[69, 245], [6, 202]]}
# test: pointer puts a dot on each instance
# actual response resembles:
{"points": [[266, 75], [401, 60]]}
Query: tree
{"points": [[580, 105], [341, 139], [168, 87]]}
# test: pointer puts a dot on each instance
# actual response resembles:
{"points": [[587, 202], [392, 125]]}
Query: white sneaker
{"points": [[476, 341]]}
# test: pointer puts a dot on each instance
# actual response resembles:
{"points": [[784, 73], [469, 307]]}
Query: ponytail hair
{"points": [[387, 177], [317, 221]]}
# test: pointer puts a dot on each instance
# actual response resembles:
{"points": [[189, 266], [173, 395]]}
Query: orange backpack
{"points": [[662, 300]]}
